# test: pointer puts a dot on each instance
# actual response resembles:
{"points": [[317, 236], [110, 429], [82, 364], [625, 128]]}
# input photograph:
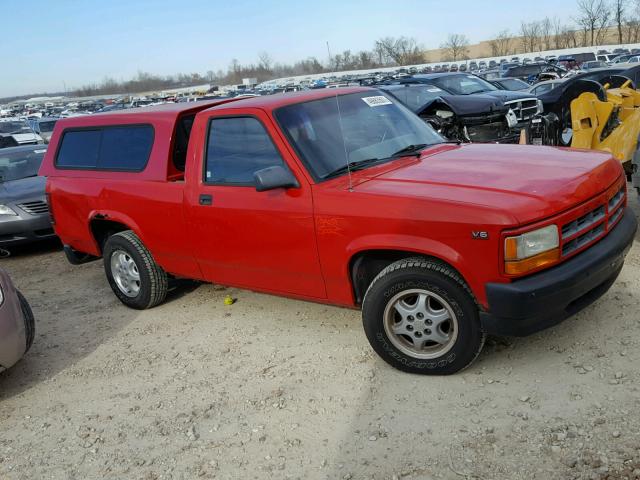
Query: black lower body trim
{"points": [[546, 298], [77, 258]]}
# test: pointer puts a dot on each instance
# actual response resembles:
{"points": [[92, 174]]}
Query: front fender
{"points": [[422, 246]]}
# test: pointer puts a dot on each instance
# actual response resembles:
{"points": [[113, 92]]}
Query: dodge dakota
{"points": [[342, 196]]}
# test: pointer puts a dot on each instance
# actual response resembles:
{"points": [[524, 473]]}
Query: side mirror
{"points": [[274, 177]]}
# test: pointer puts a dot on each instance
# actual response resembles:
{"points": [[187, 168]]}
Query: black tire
{"points": [[153, 283], [29, 321], [441, 280]]}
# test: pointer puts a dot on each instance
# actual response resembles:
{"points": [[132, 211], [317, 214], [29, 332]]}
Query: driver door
{"points": [[242, 237]]}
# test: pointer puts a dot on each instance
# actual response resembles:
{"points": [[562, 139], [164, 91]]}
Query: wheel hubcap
{"points": [[125, 273], [420, 323]]}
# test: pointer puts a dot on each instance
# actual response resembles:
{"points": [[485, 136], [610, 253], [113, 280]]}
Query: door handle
{"points": [[205, 199]]}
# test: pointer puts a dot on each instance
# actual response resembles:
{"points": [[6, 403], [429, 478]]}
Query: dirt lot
{"points": [[276, 388]]}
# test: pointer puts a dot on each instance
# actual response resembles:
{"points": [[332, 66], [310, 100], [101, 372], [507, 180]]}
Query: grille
{"points": [[616, 200], [584, 222], [35, 208], [524, 109], [593, 224]]}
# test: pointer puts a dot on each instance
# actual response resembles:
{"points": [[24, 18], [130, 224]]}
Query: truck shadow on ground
{"points": [[430, 416], [75, 314]]}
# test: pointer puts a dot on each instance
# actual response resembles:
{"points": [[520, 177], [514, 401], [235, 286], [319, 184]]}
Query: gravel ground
{"points": [[277, 388]]}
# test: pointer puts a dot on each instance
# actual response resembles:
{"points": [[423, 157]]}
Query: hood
{"points": [[463, 105], [508, 95], [23, 189], [26, 137], [529, 183]]}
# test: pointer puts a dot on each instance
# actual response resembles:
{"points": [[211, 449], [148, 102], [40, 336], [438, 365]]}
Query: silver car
{"points": [[17, 325]]}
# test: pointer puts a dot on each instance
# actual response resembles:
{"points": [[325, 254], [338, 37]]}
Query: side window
{"points": [[237, 148], [124, 148], [79, 149]]}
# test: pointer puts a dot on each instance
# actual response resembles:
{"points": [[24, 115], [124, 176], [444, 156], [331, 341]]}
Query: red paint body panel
{"points": [[299, 242]]}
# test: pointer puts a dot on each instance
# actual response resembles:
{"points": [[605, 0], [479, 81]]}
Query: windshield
{"points": [[463, 84], [514, 84], [415, 96], [21, 164], [331, 132], [14, 127], [47, 126]]}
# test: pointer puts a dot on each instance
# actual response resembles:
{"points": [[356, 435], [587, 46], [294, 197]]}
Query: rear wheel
{"points": [[134, 276], [420, 317]]}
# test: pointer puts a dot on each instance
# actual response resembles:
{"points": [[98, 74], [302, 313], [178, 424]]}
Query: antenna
{"points": [[346, 156]]}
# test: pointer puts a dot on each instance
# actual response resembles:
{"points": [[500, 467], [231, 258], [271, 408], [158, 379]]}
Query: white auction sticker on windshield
{"points": [[40, 151], [434, 90], [377, 101]]}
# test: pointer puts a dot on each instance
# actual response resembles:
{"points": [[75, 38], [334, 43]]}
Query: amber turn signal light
{"points": [[520, 267]]}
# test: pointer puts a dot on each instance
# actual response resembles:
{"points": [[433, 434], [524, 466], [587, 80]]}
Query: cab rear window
{"points": [[120, 148]]}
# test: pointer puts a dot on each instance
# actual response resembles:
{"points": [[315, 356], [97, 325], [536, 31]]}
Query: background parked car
{"points": [[524, 105], [543, 87], [558, 100], [592, 65], [44, 127], [24, 212], [531, 72], [513, 84], [17, 324], [18, 132], [464, 118]]}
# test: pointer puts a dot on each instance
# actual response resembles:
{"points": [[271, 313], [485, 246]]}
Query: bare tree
{"points": [[265, 61], [631, 23], [593, 19], [501, 45], [558, 30], [546, 34], [619, 10], [402, 50], [529, 33], [456, 47]]}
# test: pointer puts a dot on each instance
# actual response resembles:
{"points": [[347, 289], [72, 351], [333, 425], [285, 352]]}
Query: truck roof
{"points": [[168, 112], [271, 102]]}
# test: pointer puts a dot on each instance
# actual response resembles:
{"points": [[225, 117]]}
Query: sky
{"points": [[57, 45]]}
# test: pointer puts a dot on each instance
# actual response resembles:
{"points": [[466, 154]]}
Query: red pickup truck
{"points": [[344, 197]]}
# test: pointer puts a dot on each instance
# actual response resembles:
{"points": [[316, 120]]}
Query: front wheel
{"points": [[420, 317], [134, 276]]}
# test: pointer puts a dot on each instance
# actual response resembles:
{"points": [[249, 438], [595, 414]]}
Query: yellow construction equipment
{"points": [[612, 126]]}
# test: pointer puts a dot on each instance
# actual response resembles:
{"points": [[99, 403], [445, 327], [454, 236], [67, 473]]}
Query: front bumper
{"points": [[544, 299], [24, 228]]}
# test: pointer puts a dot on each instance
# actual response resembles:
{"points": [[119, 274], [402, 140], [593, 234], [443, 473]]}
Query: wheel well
{"points": [[365, 266], [103, 229]]}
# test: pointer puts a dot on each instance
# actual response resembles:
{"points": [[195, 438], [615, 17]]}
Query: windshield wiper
{"points": [[410, 150], [353, 166], [360, 164]]}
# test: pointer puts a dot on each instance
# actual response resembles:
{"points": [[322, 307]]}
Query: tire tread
{"points": [[159, 284], [29, 321], [438, 267]]}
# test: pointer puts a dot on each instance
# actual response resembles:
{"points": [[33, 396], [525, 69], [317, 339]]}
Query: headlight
{"points": [[531, 250], [4, 210], [540, 106]]}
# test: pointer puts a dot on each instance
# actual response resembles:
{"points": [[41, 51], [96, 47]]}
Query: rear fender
{"points": [[113, 216]]}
